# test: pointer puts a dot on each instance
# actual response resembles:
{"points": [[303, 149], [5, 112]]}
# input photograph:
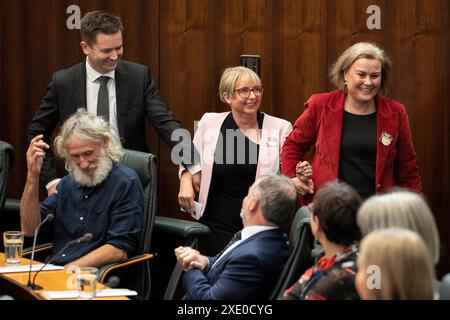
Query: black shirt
{"points": [[234, 171], [358, 155]]}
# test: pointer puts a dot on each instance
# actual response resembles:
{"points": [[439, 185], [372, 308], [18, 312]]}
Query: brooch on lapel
{"points": [[386, 138], [272, 142]]}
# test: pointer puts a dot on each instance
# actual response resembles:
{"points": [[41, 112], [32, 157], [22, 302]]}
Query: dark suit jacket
{"points": [[137, 99], [249, 271]]}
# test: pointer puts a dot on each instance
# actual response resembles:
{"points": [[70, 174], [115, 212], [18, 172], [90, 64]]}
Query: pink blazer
{"points": [[274, 132]]}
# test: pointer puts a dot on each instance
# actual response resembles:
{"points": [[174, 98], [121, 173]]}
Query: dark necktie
{"points": [[237, 236], [103, 98]]}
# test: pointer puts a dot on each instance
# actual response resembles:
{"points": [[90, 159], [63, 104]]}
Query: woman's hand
{"points": [[186, 194], [304, 171], [303, 188], [303, 181], [196, 179]]}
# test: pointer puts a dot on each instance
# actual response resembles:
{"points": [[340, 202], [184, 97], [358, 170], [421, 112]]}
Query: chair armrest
{"points": [[39, 248], [103, 271], [189, 232], [185, 229]]}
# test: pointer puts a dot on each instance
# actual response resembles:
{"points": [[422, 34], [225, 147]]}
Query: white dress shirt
{"points": [[247, 232], [92, 87]]}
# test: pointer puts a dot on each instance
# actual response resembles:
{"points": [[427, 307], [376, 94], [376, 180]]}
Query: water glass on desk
{"points": [[87, 282], [13, 242]]}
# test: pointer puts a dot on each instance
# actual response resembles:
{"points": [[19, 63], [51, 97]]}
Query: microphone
{"points": [[85, 237], [49, 218]]}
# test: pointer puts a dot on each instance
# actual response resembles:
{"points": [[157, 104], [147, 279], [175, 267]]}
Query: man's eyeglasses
{"points": [[245, 92]]}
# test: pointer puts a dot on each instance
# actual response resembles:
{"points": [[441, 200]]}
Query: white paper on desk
{"points": [[198, 210], [26, 268], [73, 294]]}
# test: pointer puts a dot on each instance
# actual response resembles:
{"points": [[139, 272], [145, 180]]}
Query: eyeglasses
{"points": [[245, 92]]}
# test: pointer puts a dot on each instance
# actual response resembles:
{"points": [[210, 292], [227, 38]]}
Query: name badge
{"points": [[386, 138], [272, 142]]}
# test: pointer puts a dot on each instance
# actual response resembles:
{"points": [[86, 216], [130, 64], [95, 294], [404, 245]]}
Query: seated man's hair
{"points": [[277, 197], [88, 126]]}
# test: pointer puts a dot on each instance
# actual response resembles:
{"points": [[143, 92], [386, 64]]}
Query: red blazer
{"points": [[320, 125]]}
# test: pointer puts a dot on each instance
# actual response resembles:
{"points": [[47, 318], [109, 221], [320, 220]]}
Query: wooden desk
{"points": [[56, 280]]}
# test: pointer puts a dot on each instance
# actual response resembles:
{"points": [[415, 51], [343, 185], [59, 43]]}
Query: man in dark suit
{"points": [[121, 91], [247, 268]]}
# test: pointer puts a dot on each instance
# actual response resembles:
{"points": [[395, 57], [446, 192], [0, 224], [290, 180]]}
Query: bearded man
{"points": [[99, 196]]}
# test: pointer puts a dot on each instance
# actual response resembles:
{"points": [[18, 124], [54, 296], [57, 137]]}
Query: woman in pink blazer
{"points": [[235, 148], [359, 136]]}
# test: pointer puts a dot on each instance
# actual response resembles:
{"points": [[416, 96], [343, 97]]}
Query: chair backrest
{"points": [[145, 166], [444, 288], [6, 163], [301, 244], [188, 232]]}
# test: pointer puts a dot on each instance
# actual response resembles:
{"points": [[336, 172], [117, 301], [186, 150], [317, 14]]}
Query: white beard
{"points": [[94, 174]]}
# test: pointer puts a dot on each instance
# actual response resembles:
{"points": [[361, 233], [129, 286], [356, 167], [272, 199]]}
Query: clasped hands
{"points": [[190, 258], [303, 181]]}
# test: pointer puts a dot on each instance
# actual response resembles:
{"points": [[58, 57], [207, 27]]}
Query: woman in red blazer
{"points": [[359, 136]]}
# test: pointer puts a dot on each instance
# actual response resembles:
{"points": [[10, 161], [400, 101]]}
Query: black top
{"points": [[233, 173], [358, 153]]}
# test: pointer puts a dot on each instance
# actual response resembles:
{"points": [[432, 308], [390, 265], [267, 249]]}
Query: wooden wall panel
{"points": [[27, 62], [361, 31], [341, 30], [186, 78], [399, 23], [256, 38], [299, 52], [243, 27], [430, 117], [187, 44]]}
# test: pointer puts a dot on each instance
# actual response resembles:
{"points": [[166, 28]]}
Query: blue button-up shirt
{"points": [[111, 211]]}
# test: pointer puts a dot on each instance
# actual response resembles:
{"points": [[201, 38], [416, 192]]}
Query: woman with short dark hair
{"points": [[333, 224]]}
